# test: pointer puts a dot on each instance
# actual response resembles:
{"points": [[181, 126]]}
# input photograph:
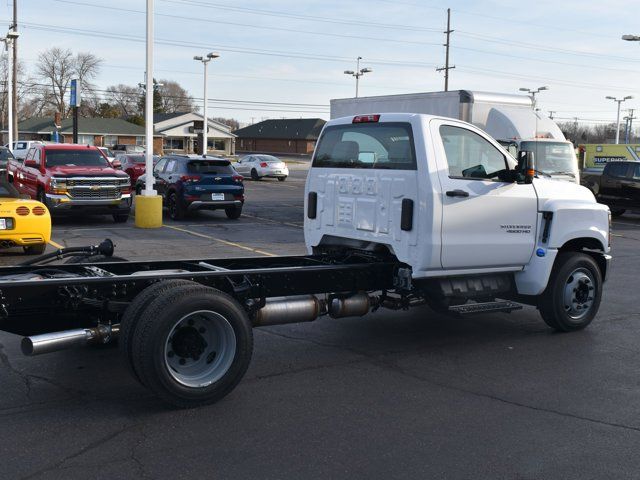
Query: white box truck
{"points": [[510, 119]]}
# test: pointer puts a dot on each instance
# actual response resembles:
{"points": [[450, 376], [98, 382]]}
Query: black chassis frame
{"points": [[31, 307]]}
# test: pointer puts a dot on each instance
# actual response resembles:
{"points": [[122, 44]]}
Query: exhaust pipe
{"points": [[55, 341], [306, 308]]}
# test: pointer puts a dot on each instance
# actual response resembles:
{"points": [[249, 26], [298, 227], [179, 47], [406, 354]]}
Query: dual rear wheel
{"points": [[189, 344]]}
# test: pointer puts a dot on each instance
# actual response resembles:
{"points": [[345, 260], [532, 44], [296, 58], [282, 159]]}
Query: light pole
{"points": [[619, 101], [358, 73], [8, 41], [205, 124], [631, 38], [533, 93]]}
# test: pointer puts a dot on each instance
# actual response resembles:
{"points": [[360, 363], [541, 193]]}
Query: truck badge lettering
{"points": [[516, 228]]}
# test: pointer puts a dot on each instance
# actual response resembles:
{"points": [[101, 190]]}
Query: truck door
{"points": [[29, 173], [485, 222]]}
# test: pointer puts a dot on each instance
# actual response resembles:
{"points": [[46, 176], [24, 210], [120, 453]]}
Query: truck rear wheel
{"points": [[192, 345], [572, 297], [135, 309]]}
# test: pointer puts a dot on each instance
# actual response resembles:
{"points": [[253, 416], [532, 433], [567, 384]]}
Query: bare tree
{"points": [[56, 68], [175, 98], [124, 98]]}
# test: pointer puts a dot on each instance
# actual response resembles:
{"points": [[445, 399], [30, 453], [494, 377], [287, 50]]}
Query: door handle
{"points": [[457, 193]]}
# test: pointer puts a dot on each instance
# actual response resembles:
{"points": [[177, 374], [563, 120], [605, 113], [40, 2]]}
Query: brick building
{"points": [[101, 132], [291, 135]]}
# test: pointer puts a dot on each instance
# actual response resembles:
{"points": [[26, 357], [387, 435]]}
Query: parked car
{"points": [[122, 148], [23, 222], [196, 182], [71, 178], [5, 155], [115, 162], [259, 166], [134, 165], [21, 147], [616, 185]]}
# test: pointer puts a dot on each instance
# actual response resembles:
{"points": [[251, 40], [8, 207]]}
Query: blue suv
{"points": [[197, 182]]}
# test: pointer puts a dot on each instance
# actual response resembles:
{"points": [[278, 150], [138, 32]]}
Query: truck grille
{"points": [[96, 188], [100, 194]]}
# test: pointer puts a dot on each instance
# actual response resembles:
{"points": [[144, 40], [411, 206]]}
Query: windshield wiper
{"points": [[543, 173], [571, 174]]}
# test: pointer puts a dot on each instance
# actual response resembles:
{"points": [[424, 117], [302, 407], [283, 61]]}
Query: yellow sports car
{"points": [[23, 223]]}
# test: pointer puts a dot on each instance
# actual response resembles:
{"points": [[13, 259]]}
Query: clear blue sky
{"points": [[294, 52]]}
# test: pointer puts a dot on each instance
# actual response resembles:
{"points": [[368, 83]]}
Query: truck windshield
{"points": [[366, 145], [75, 158], [552, 157]]}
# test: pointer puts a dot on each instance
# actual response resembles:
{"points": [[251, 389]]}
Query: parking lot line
{"points": [[226, 242], [55, 244]]}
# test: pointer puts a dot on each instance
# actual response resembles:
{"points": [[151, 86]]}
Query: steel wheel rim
{"points": [[200, 348], [578, 295]]}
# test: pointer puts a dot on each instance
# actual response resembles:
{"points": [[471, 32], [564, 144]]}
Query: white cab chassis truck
{"points": [[400, 210], [510, 119]]}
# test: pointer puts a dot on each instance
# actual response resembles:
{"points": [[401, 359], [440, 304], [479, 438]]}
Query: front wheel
{"points": [[254, 174], [192, 345], [282, 179], [176, 210], [121, 218], [572, 297]]}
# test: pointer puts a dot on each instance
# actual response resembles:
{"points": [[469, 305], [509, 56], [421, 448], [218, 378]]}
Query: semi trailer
{"points": [[401, 210]]}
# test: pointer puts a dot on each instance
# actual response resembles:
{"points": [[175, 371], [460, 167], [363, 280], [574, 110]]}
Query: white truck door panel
{"points": [[485, 222]]}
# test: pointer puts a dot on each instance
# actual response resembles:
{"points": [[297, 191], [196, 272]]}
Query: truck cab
{"points": [[445, 198]]}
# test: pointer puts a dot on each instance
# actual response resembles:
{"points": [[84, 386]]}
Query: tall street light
{"points": [[533, 93], [205, 124], [8, 41], [358, 73], [619, 101], [631, 38]]}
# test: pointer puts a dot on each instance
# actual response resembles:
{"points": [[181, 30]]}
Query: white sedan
{"points": [[259, 166]]}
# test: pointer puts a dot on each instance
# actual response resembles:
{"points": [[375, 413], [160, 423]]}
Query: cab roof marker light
{"points": [[366, 118]]}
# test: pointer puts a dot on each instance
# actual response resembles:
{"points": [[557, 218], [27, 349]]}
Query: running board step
{"points": [[485, 307]]}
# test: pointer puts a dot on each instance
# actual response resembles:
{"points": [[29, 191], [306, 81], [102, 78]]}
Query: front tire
{"points": [[254, 174], [176, 210], [192, 345], [121, 218], [572, 297], [282, 179]]}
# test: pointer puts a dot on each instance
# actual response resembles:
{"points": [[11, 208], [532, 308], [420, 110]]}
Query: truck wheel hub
{"points": [[188, 343], [578, 293]]}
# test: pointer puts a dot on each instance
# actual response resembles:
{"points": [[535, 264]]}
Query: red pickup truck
{"points": [[72, 179]]}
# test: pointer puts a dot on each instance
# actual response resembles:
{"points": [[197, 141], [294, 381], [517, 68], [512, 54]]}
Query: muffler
{"points": [[55, 341], [306, 308]]}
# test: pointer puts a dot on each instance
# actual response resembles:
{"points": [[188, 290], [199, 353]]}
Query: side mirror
{"points": [[526, 166], [31, 163]]}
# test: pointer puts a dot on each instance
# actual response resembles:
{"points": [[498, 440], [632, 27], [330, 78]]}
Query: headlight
{"points": [[58, 185]]}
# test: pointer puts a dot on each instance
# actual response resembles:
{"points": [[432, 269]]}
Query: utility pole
{"points": [[359, 72], [551, 112], [446, 67], [630, 118], [205, 124], [575, 127], [14, 78]]}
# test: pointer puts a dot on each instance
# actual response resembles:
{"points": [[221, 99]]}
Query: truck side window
{"points": [[617, 169], [170, 166], [636, 172], [29, 155], [160, 165], [36, 155], [469, 155]]}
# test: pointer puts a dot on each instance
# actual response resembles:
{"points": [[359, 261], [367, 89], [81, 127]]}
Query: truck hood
{"points": [[551, 190], [83, 171]]}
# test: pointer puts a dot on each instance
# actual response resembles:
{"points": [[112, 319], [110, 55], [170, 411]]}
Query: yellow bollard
{"points": [[148, 211]]}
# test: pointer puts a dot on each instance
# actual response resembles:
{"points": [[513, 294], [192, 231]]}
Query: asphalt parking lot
{"points": [[390, 395]]}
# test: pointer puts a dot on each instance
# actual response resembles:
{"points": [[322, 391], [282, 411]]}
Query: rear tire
{"points": [[192, 346], [572, 297], [35, 249], [121, 218], [176, 210], [42, 197], [133, 312], [282, 179], [233, 213], [254, 174]]}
